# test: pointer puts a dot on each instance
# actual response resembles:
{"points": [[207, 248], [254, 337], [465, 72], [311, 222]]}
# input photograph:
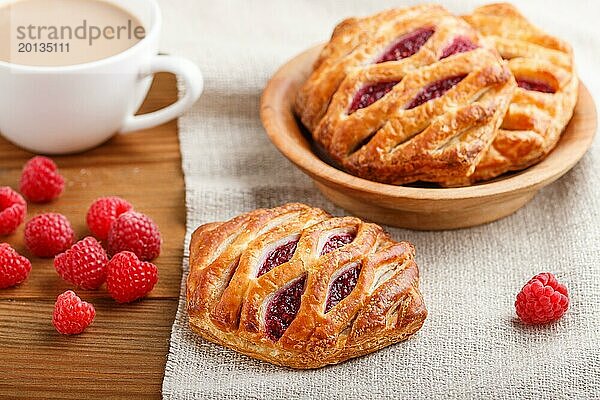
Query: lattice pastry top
{"points": [[406, 95], [545, 99], [296, 287]]}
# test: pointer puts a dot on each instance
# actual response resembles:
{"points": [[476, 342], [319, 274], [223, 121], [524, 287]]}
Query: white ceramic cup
{"points": [[68, 109]]}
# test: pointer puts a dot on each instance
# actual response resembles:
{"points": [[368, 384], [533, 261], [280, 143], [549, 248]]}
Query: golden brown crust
{"points": [[535, 120], [472, 131], [441, 140], [226, 301], [354, 42]]}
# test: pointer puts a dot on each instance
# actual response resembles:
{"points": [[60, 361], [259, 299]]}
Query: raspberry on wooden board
{"points": [[84, 264], [128, 278], [14, 268], [103, 212], [13, 209], [135, 232], [40, 180], [72, 315], [47, 235]]}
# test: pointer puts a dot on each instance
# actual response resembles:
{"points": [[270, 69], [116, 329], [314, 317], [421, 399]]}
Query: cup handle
{"points": [[194, 84]]}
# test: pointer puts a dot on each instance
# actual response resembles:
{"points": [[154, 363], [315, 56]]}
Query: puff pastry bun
{"points": [[296, 287], [418, 94], [546, 95]]}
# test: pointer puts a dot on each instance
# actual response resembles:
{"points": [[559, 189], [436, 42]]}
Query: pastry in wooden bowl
{"points": [[297, 287], [544, 101], [302, 88], [406, 95]]}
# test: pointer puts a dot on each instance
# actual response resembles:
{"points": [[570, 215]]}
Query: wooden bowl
{"points": [[415, 207]]}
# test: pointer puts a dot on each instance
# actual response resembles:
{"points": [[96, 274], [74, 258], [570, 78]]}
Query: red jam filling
{"points": [[460, 44], [282, 309], [537, 86], [407, 45], [342, 286], [434, 90], [278, 256], [337, 241], [370, 94]]}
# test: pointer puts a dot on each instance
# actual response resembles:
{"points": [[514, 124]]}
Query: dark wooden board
{"points": [[123, 353]]}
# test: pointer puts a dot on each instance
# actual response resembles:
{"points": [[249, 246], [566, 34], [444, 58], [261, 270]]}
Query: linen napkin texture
{"points": [[472, 345]]}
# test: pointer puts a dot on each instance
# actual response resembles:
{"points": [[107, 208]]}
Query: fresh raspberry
{"points": [[542, 300], [40, 180], [103, 212], [46, 235], [14, 268], [71, 314], [128, 278], [12, 210], [84, 264], [137, 233]]}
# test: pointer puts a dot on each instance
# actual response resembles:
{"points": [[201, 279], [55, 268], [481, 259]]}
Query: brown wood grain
{"points": [[123, 353], [419, 208]]}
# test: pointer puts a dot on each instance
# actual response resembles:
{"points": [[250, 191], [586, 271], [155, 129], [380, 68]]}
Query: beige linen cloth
{"points": [[471, 345]]}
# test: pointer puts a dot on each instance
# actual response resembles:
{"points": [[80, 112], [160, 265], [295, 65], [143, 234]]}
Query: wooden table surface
{"points": [[123, 353]]}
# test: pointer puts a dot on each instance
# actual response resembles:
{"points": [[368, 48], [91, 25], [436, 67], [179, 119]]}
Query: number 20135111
{"points": [[27, 47]]}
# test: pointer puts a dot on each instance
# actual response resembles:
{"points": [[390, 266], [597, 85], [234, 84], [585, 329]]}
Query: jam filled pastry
{"points": [[406, 95], [546, 95], [297, 287]]}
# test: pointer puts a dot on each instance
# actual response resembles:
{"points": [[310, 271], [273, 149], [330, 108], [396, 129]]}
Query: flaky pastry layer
{"points": [[477, 124], [535, 120], [351, 289]]}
